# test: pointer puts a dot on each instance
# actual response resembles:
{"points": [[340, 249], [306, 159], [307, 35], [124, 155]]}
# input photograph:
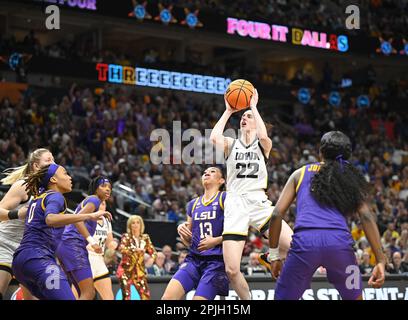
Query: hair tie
{"points": [[341, 161]]}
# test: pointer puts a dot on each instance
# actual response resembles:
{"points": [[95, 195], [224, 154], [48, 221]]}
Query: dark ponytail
{"points": [[33, 181], [338, 184]]}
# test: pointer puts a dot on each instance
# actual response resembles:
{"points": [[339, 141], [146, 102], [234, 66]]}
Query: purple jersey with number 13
{"points": [[207, 220]]}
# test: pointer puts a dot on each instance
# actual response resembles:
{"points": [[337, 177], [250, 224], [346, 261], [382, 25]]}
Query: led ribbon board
{"points": [[138, 76], [80, 4], [302, 37]]}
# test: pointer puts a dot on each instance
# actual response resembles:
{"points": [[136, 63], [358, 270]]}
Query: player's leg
{"points": [[232, 250], [236, 224], [341, 265], [213, 282], [43, 277], [260, 216], [174, 291], [83, 277], [104, 288], [73, 256], [184, 280], [6, 259], [5, 278], [300, 265], [102, 280]]}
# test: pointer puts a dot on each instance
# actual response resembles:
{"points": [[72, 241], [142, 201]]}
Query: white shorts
{"points": [[98, 266], [7, 249], [245, 210]]}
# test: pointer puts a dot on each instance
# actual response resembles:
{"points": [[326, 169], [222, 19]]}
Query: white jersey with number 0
{"points": [[246, 168]]}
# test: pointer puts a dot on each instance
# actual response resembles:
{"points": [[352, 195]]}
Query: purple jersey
{"points": [[71, 231], [310, 214], [207, 220], [37, 234]]}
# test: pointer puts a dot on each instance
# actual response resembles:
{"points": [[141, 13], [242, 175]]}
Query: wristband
{"points": [[91, 240], [273, 254], [13, 214]]}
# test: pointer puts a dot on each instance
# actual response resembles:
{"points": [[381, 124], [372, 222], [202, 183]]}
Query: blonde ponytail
{"points": [[18, 173], [14, 174]]}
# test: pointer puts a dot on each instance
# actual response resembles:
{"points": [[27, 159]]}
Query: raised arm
{"points": [[217, 134], [261, 131]]}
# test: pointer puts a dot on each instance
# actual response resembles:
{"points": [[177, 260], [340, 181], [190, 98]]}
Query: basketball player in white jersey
{"points": [[104, 238], [11, 231], [247, 203]]}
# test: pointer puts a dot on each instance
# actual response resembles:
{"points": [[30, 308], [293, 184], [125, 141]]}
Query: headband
{"points": [[102, 181], [50, 173]]}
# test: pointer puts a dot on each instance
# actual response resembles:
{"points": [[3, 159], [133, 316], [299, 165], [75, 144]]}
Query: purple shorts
{"points": [[73, 256], [205, 274], [311, 249], [41, 275]]}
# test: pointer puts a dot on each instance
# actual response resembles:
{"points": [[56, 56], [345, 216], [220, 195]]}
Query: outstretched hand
{"points": [[99, 214], [254, 99]]}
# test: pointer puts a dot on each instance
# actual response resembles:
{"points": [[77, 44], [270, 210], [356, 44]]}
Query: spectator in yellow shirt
{"points": [[390, 232], [358, 232]]}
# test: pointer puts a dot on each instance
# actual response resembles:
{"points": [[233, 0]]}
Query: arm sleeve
{"points": [[94, 200], [54, 204], [189, 207], [223, 197], [150, 248], [124, 245]]}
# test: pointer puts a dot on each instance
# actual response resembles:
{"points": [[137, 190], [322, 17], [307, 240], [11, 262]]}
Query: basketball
{"points": [[239, 94]]}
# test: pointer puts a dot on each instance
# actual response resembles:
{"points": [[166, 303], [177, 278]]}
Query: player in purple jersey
{"points": [[72, 251], [204, 268], [327, 193], [34, 264]]}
